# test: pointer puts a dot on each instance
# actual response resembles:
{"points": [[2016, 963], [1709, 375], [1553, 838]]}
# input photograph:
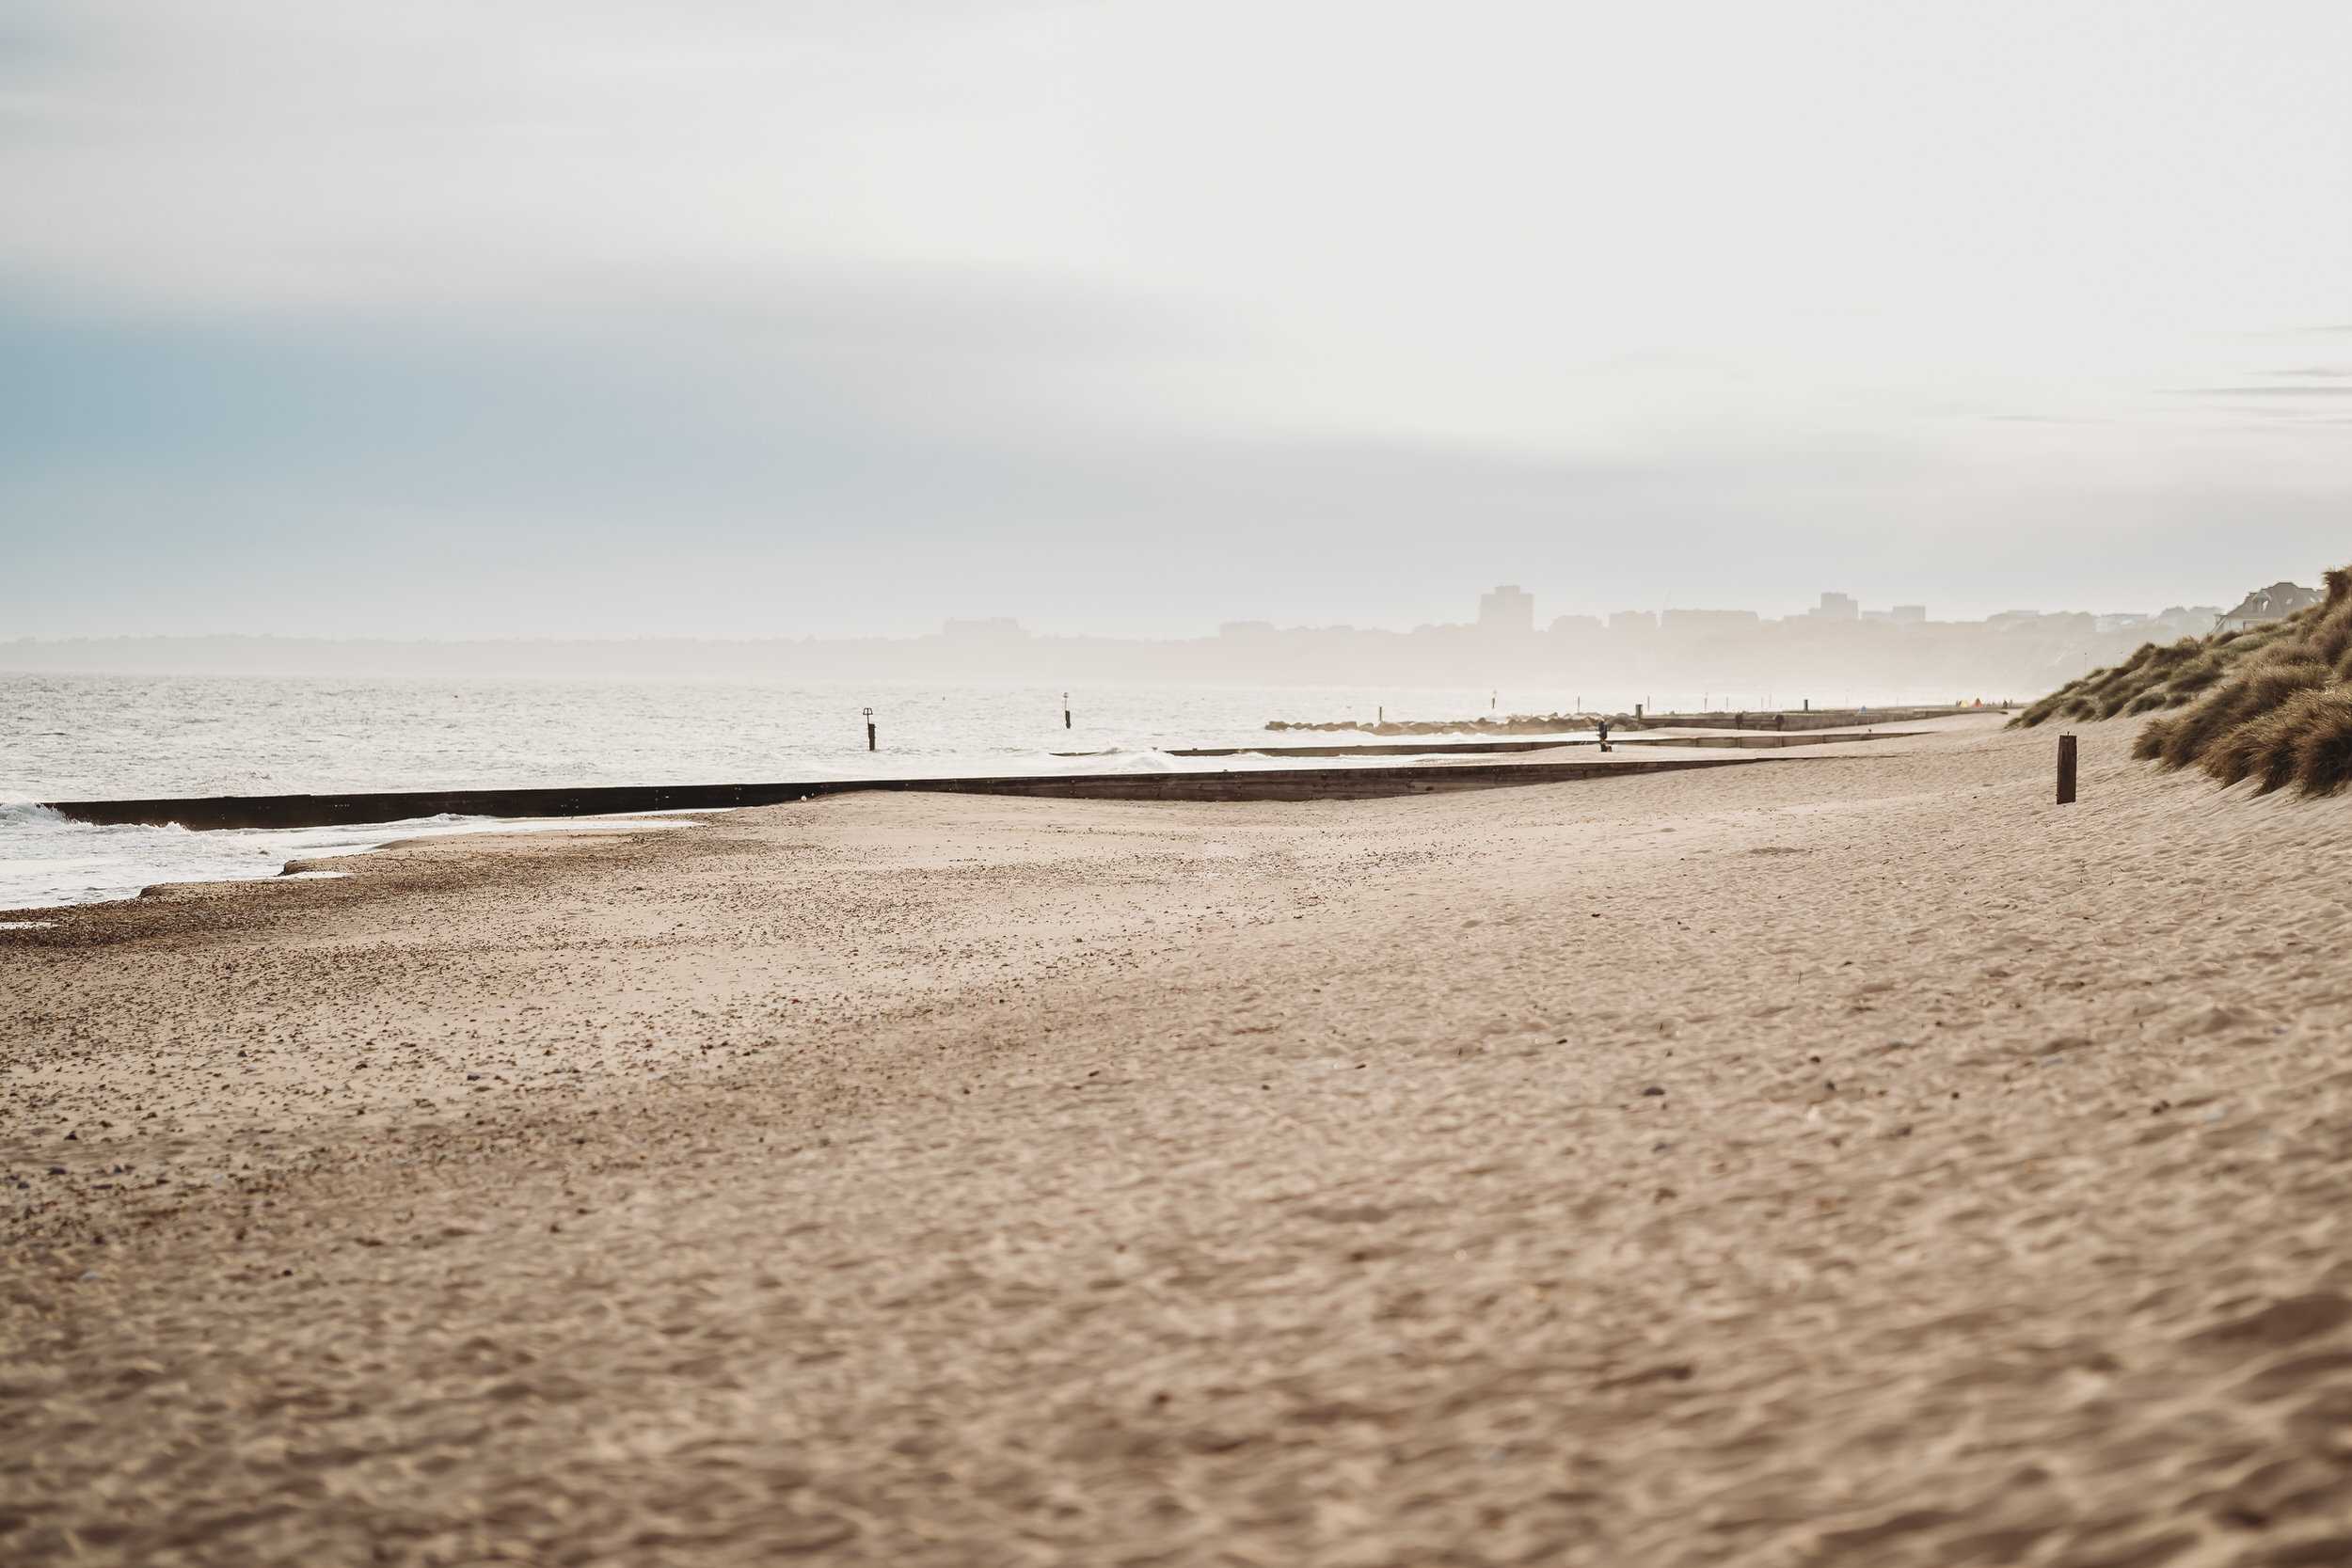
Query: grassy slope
{"points": [[2273, 703]]}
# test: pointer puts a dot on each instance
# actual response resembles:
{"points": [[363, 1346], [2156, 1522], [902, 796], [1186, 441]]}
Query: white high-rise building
{"points": [[1506, 609]]}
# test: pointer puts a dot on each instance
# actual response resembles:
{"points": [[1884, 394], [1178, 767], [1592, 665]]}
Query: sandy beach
{"points": [[1845, 1157]]}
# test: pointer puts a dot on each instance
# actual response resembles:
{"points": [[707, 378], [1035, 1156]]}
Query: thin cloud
{"points": [[776, 319]]}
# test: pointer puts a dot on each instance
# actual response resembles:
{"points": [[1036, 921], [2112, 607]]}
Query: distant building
{"points": [[2125, 622], [1575, 625], [1704, 622], [1835, 607], [2266, 605], [1245, 628], [1506, 609], [1910, 614], [2189, 617], [1003, 629], [1640, 621]]}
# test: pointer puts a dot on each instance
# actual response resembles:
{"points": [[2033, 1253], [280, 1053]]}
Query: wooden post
{"points": [[870, 729], [2066, 770], [1065, 710]]}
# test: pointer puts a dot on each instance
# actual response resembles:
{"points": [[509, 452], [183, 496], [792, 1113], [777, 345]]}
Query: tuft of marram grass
{"points": [[2154, 677], [2273, 705], [2322, 749]]}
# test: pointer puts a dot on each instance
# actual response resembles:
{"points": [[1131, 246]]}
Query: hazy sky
{"points": [[506, 318]]}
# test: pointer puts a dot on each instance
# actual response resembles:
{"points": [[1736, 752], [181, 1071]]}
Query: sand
{"points": [[1847, 1158]]}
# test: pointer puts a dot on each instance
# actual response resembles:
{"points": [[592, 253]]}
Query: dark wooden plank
{"points": [[1436, 749], [1764, 742], [1286, 784]]}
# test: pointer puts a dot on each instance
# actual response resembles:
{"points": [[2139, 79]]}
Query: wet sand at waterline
{"points": [[1849, 1158]]}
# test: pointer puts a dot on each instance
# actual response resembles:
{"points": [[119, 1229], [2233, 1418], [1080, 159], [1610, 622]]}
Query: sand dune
{"points": [[1846, 1158]]}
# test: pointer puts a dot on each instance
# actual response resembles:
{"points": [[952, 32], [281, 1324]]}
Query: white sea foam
{"points": [[47, 859]]}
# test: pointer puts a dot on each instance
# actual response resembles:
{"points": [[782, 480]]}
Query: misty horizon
{"points": [[1507, 610], [1838, 646]]}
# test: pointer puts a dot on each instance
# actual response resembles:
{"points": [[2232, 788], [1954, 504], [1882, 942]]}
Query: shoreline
{"points": [[1458, 766], [931, 1179]]}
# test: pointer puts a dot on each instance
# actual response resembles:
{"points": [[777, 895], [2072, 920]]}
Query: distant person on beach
{"points": [[1604, 735]]}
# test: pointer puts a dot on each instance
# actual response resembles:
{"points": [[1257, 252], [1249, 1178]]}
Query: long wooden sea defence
{"points": [[1625, 723], [1811, 718], [1747, 742], [1767, 741], [1286, 784], [1440, 749]]}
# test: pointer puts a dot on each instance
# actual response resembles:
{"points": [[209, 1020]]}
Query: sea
{"points": [[121, 736]]}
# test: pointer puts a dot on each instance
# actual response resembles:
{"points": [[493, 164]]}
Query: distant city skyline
{"points": [[1510, 609]]}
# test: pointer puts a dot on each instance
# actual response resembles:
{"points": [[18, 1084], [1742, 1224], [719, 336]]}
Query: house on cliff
{"points": [[2266, 605]]}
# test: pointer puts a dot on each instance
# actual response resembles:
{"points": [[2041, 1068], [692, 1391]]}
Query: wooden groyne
{"points": [[1557, 723], [1286, 784], [1767, 741], [1808, 719], [1438, 748]]}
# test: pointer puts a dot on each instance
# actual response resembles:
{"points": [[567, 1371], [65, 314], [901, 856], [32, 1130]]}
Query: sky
{"points": [[760, 318]]}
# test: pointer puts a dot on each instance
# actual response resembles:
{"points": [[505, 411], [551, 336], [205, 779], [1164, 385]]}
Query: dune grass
{"points": [[2273, 705]]}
